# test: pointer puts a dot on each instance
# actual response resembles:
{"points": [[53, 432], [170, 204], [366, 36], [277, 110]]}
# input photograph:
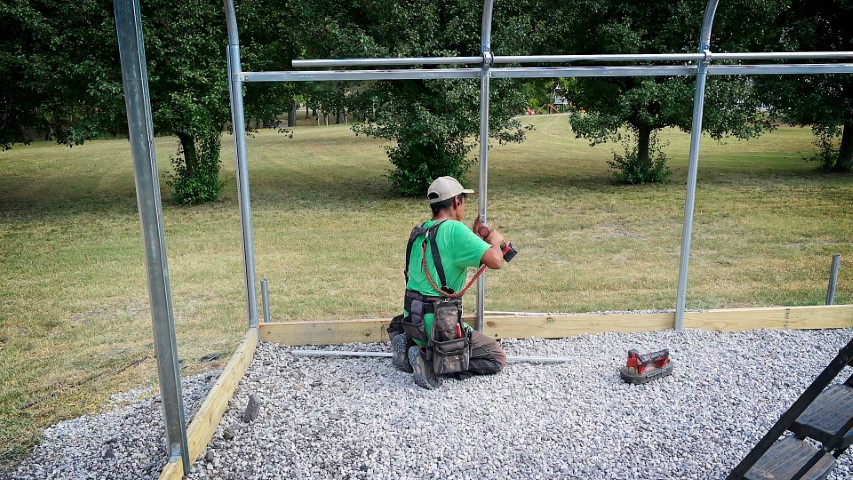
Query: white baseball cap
{"points": [[444, 188]]}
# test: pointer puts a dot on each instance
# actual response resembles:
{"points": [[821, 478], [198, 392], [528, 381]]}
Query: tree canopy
{"points": [[434, 123], [824, 102], [59, 64], [62, 71], [644, 105]]}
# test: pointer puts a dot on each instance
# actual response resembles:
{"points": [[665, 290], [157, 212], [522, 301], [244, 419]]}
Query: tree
{"points": [[58, 64], [824, 102], [63, 58], [433, 124], [647, 104]]}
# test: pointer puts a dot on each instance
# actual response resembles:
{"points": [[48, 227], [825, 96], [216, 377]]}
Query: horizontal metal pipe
{"points": [[337, 75], [597, 71], [546, 72], [778, 55], [628, 57], [373, 62], [339, 353], [788, 69]]}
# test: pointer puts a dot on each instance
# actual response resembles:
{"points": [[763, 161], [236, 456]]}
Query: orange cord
{"points": [[439, 290]]}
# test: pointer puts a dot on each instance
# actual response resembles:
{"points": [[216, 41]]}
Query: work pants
{"points": [[487, 357]]}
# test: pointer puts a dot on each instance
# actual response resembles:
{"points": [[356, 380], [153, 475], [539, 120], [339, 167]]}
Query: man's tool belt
{"points": [[448, 341], [418, 306]]}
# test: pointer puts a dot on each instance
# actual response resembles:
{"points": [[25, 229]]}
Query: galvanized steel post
{"points": [[833, 279], [485, 74], [141, 135], [265, 299], [238, 123], [693, 165]]}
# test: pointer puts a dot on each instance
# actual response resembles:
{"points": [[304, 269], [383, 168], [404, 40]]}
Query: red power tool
{"points": [[643, 368]]}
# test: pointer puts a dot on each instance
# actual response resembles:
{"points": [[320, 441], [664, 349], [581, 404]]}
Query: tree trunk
{"points": [[644, 135], [341, 117], [844, 163], [306, 109], [190, 153], [291, 115]]}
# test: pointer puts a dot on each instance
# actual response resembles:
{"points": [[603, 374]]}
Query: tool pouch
{"points": [[413, 324], [451, 348], [451, 356]]}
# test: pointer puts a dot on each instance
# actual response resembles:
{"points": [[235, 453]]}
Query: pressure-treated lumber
{"points": [[795, 318], [325, 332], [559, 326], [204, 424]]}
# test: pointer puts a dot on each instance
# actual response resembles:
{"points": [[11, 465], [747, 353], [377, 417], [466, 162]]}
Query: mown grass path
{"points": [[330, 237]]}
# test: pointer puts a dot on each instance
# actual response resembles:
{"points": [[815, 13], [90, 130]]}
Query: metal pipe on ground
{"points": [[833, 279], [340, 353]]}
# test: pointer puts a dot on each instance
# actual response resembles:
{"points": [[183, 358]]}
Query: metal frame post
{"points": [[238, 123], [141, 135], [265, 299], [485, 76], [693, 163], [833, 279]]}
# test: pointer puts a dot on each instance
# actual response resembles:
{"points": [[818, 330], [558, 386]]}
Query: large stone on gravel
{"points": [[253, 409]]}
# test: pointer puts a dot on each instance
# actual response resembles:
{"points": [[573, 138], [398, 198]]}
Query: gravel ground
{"points": [[126, 442], [360, 418]]}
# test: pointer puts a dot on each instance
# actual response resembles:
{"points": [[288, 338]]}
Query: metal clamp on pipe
{"points": [[488, 59]]}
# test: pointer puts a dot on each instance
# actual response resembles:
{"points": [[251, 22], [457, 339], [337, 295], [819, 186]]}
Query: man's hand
{"points": [[477, 223], [481, 229], [495, 238]]}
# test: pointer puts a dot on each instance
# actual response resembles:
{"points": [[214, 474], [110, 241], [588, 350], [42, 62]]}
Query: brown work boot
{"points": [[423, 373], [399, 346]]}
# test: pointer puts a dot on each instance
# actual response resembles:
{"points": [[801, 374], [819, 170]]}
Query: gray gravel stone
{"points": [[359, 418], [253, 409], [127, 442]]}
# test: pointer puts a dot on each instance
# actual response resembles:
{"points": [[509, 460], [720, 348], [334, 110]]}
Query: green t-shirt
{"points": [[459, 247]]}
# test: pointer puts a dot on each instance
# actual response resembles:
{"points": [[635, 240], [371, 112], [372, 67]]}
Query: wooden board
{"points": [[800, 318], [204, 424], [559, 326], [330, 332]]}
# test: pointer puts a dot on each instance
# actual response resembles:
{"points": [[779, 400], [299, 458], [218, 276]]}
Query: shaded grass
{"points": [[330, 235]]}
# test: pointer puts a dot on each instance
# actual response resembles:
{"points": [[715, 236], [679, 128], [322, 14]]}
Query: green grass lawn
{"points": [[330, 236]]}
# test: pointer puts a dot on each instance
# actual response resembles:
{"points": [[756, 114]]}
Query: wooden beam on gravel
{"points": [[780, 318], [560, 326], [329, 332], [205, 421]]}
